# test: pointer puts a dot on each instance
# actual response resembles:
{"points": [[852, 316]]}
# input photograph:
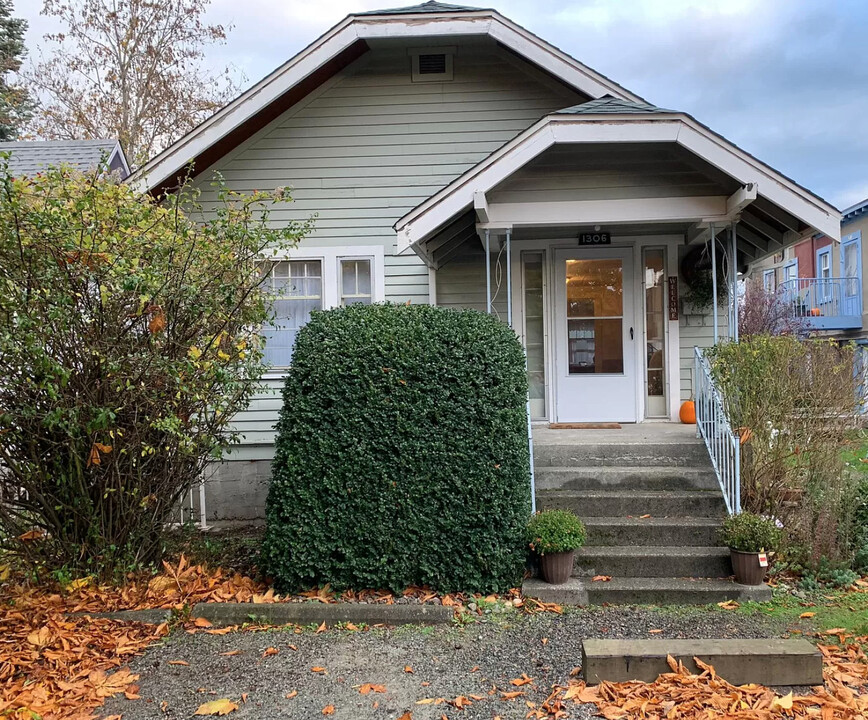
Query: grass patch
{"points": [[830, 608]]}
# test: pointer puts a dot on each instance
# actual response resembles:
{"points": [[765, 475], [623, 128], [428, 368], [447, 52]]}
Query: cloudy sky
{"points": [[785, 79]]}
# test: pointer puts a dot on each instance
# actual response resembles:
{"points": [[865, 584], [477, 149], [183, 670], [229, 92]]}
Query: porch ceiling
{"points": [[642, 173]]}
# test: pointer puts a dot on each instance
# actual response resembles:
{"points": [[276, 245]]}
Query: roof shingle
{"points": [[612, 106], [31, 157], [428, 7]]}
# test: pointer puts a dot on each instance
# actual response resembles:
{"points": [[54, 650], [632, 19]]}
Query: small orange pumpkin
{"points": [[687, 413], [815, 312]]}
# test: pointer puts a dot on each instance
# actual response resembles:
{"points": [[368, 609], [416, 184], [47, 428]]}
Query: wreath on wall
{"points": [[696, 273]]}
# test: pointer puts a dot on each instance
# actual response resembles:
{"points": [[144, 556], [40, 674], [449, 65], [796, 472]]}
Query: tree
{"points": [[15, 102], [129, 338], [128, 69], [767, 313]]}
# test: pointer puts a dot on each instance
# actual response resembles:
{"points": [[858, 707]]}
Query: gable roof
{"points": [[638, 123], [609, 104], [334, 51], [855, 211], [33, 156], [429, 7]]}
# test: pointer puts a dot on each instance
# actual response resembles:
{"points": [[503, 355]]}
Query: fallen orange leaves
{"points": [[682, 694], [60, 667]]}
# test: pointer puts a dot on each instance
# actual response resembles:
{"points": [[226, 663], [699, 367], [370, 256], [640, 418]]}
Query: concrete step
{"points": [[644, 591], [671, 532], [663, 477], [688, 452], [653, 561], [621, 503], [770, 661]]}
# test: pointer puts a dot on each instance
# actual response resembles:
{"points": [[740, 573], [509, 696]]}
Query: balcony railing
{"points": [[824, 303]]}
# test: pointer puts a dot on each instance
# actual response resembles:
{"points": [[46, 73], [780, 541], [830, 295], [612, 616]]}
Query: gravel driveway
{"points": [[446, 662]]}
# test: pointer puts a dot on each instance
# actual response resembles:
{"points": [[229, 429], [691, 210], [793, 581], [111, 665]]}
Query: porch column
{"points": [[488, 271], [714, 282], [509, 277], [733, 288]]}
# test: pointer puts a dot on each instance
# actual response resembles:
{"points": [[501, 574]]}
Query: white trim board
{"points": [[679, 128], [373, 27]]}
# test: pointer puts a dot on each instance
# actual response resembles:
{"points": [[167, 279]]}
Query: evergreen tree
{"points": [[16, 105]]}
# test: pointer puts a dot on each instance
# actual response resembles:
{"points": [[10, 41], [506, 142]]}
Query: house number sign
{"points": [[595, 238], [673, 298]]}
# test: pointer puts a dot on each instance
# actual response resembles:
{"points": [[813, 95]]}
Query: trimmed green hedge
{"points": [[401, 453]]}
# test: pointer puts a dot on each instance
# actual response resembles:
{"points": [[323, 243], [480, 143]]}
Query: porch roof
{"points": [[773, 211]]}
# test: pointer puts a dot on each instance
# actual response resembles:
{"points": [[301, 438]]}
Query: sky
{"points": [[787, 80]]}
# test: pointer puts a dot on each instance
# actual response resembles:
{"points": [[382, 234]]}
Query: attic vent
{"points": [[432, 64]]}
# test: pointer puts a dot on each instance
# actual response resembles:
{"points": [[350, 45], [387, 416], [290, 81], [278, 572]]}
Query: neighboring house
{"points": [[454, 158], [821, 278], [28, 157]]}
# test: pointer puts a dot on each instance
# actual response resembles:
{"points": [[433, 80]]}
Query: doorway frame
{"points": [[636, 243]]}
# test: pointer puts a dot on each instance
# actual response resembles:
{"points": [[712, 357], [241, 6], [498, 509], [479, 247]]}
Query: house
{"points": [[28, 157], [455, 158], [820, 279]]}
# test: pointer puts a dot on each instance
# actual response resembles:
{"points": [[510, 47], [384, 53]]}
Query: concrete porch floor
{"points": [[628, 434]]}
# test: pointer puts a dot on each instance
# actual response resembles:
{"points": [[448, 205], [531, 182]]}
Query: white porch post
{"points": [[509, 277], [488, 271], [714, 282], [733, 290]]}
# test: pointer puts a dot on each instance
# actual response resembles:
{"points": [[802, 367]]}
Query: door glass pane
{"points": [[851, 268], [534, 334], [655, 332], [595, 308]]}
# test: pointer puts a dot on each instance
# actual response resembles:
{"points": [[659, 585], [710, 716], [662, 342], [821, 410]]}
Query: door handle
{"points": [[631, 333]]}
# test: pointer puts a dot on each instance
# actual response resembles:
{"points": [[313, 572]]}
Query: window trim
{"points": [[331, 257], [350, 258], [772, 286], [824, 292], [794, 263]]}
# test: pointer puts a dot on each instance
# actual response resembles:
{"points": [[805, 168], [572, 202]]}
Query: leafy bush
{"points": [[128, 340], [554, 531], [401, 453], [797, 399], [827, 574], [748, 532]]}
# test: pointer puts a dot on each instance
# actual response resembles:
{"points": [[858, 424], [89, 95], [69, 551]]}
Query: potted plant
{"points": [[555, 535], [749, 536]]}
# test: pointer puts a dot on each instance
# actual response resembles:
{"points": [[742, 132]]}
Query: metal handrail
{"points": [[712, 425]]}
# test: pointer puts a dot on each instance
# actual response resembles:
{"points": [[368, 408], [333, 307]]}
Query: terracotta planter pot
{"points": [[557, 567], [746, 567]]}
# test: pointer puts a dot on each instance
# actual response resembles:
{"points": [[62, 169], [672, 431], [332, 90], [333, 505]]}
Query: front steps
{"points": [[766, 662], [652, 507]]}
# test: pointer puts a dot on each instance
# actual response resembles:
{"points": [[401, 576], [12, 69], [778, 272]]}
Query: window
{"points": [[824, 264], [317, 278], [297, 289], [791, 271], [356, 281], [769, 280]]}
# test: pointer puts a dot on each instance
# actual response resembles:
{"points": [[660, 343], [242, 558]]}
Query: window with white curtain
{"points": [[356, 288], [297, 287]]}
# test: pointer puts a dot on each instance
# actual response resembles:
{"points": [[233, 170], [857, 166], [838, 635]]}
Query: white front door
{"points": [[595, 358]]}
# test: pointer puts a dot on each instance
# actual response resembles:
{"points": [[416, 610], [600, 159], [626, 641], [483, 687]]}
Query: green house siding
{"points": [[367, 147]]}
